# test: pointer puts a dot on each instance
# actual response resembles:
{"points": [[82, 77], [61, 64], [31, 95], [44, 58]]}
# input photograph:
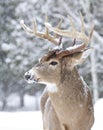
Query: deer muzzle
{"points": [[30, 77]]}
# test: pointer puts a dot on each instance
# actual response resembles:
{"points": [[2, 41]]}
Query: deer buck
{"points": [[66, 103]]}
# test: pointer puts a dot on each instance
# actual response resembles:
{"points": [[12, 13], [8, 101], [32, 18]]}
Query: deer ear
{"points": [[78, 58]]}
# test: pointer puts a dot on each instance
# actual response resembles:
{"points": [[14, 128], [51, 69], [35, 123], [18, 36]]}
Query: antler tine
{"points": [[72, 23], [82, 23], [47, 30], [46, 20], [91, 31], [58, 26], [35, 26], [27, 29]]}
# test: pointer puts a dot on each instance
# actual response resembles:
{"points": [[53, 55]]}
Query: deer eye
{"points": [[53, 63]]}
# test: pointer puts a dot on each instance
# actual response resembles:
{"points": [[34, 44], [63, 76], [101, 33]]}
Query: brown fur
{"points": [[72, 106]]}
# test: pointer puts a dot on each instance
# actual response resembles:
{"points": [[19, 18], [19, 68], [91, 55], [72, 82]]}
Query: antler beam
{"points": [[45, 35]]}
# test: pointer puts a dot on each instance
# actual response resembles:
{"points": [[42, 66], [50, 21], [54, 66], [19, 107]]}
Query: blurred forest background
{"points": [[19, 51]]}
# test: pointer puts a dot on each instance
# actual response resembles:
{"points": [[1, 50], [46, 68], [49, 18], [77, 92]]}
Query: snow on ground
{"points": [[98, 113], [20, 121], [33, 120]]}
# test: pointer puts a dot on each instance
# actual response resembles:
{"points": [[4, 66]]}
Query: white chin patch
{"points": [[52, 88]]}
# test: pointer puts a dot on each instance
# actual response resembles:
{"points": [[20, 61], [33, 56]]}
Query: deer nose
{"points": [[27, 75]]}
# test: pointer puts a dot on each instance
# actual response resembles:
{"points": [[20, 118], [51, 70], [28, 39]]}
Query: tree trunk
{"points": [[94, 75], [4, 104], [22, 100]]}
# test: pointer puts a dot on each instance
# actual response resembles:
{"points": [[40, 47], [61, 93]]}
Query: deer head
{"points": [[52, 65]]}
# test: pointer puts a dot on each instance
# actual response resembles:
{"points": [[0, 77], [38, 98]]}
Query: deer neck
{"points": [[69, 81], [68, 94]]}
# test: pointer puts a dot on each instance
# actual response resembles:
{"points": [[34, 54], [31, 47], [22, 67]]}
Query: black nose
{"points": [[27, 76]]}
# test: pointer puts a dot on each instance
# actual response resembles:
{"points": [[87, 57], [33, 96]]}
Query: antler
{"points": [[73, 34], [45, 35]]}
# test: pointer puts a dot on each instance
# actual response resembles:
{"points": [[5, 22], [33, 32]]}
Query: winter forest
{"points": [[19, 51]]}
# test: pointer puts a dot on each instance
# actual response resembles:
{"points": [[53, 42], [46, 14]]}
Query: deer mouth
{"points": [[31, 78], [36, 80]]}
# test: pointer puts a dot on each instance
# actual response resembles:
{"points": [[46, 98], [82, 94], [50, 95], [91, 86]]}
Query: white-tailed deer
{"points": [[66, 103]]}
